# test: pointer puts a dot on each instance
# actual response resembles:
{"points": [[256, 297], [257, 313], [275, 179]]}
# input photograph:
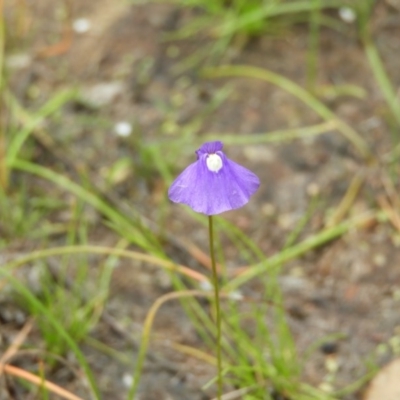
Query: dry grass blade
{"points": [[28, 376], [390, 203], [196, 353], [199, 255], [133, 255], [245, 71], [148, 324], [66, 40], [347, 201], [390, 212], [3, 166], [19, 340], [40, 382], [391, 191]]}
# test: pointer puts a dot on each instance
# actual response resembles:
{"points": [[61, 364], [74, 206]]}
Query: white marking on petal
{"points": [[214, 162]]}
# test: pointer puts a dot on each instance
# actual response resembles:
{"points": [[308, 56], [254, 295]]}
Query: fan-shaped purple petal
{"points": [[210, 192], [209, 148]]}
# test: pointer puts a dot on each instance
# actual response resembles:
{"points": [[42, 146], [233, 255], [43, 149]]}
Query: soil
{"points": [[126, 70]]}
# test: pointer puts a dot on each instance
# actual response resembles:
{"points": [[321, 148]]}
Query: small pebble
{"points": [[329, 348], [18, 61], [81, 25], [268, 209], [236, 295], [379, 260], [102, 93], [123, 129], [347, 14], [127, 380], [206, 286], [313, 190]]}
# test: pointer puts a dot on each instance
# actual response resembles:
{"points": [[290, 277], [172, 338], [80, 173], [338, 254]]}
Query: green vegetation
{"points": [[58, 211]]}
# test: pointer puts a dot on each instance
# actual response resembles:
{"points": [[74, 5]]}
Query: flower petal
{"points": [[209, 148], [210, 192]]}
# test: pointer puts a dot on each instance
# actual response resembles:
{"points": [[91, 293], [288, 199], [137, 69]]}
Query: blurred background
{"points": [[103, 103]]}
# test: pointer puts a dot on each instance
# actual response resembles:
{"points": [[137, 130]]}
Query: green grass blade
{"points": [[297, 91], [313, 43], [120, 223], [276, 9], [1, 46], [279, 136], [382, 78], [33, 301], [54, 104], [297, 250]]}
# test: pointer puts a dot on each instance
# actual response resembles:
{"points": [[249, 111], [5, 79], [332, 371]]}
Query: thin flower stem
{"points": [[217, 306]]}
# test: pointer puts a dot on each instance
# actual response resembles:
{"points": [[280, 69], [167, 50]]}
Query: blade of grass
{"points": [[278, 136], [347, 201], [3, 147], [44, 385], [3, 166], [195, 353], [31, 299], [248, 366], [297, 91], [51, 106], [297, 250], [301, 224], [274, 10], [78, 249], [381, 77], [313, 41], [1, 45], [40, 382], [202, 320], [118, 221], [147, 330], [16, 344], [365, 10]]}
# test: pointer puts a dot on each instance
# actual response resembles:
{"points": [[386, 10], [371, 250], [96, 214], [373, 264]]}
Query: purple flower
{"points": [[213, 184]]}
